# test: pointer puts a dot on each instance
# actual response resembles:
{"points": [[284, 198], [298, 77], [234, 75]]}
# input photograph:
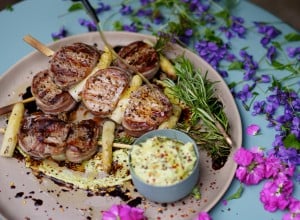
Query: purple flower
{"points": [[126, 9], [252, 129], [223, 73], [293, 52], [295, 126], [87, 23], [258, 107], [249, 65], [131, 28], [265, 78], [124, 212], [211, 52], [144, 12], [237, 26], [146, 2], [245, 94], [203, 216], [276, 193], [157, 17], [271, 53], [102, 7], [60, 34], [289, 155], [269, 32]]}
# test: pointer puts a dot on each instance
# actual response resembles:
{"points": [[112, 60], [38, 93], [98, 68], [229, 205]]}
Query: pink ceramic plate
{"points": [[23, 195]]}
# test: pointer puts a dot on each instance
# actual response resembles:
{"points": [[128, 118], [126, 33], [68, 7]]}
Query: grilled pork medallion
{"points": [[72, 63], [141, 56], [42, 136], [48, 96], [148, 107], [82, 141], [103, 89]]}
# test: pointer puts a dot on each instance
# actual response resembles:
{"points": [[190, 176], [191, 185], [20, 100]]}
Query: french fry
{"points": [[173, 119], [118, 113], [10, 137], [104, 62], [107, 144]]}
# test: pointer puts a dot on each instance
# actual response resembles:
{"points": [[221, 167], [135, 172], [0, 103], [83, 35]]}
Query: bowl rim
{"points": [[195, 146]]}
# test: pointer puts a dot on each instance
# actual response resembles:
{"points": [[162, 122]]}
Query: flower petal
{"points": [[253, 129]]}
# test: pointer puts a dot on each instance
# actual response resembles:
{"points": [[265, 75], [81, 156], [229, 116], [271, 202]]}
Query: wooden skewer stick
{"points": [[8, 108], [119, 145], [41, 48], [38, 45]]}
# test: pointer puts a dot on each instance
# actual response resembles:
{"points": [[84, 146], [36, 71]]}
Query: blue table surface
{"points": [[42, 17]]}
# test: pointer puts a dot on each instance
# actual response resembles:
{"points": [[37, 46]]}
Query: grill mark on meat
{"points": [[82, 141], [72, 63], [49, 97], [141, 56], [42, 135], [148, 108], [103, 89]]}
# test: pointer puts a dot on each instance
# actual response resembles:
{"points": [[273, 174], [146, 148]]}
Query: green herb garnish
{"points": [[208, 123]]}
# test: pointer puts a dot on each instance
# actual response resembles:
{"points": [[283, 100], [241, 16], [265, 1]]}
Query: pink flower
{"points": [[250, 176], [274, 166], [276, 193], [243, 157], [123, 212], [253, 129], [251, 168], [294, 210], [203, 216]]}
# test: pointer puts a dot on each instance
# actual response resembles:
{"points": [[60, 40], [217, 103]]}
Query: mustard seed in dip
{"points": [[162, 161]]}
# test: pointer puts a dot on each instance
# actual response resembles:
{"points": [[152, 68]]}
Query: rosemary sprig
{"points": [[198, 94]]}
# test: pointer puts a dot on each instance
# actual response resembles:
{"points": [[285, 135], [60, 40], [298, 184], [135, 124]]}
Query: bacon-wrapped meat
{"points": [[141, 56], [48, 96], [71, 64], [148, 107], [103, 89]]}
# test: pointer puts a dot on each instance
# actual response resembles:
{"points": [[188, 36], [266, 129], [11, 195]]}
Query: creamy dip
{"points": [[162, 161]]}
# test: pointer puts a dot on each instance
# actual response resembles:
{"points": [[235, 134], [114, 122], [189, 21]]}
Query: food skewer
{"points": [[115, 144], [38, 45], [8, 108]]}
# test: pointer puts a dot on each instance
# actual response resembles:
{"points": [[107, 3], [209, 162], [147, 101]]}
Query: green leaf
{"points": [[232, 85], [237, 194], [291, 141], [210, 36], [118, 26], [9, 8], [237, 65], [292, 37], [196, 193], [278, 65], [223, 14], [75, 7], [277, 45]]}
